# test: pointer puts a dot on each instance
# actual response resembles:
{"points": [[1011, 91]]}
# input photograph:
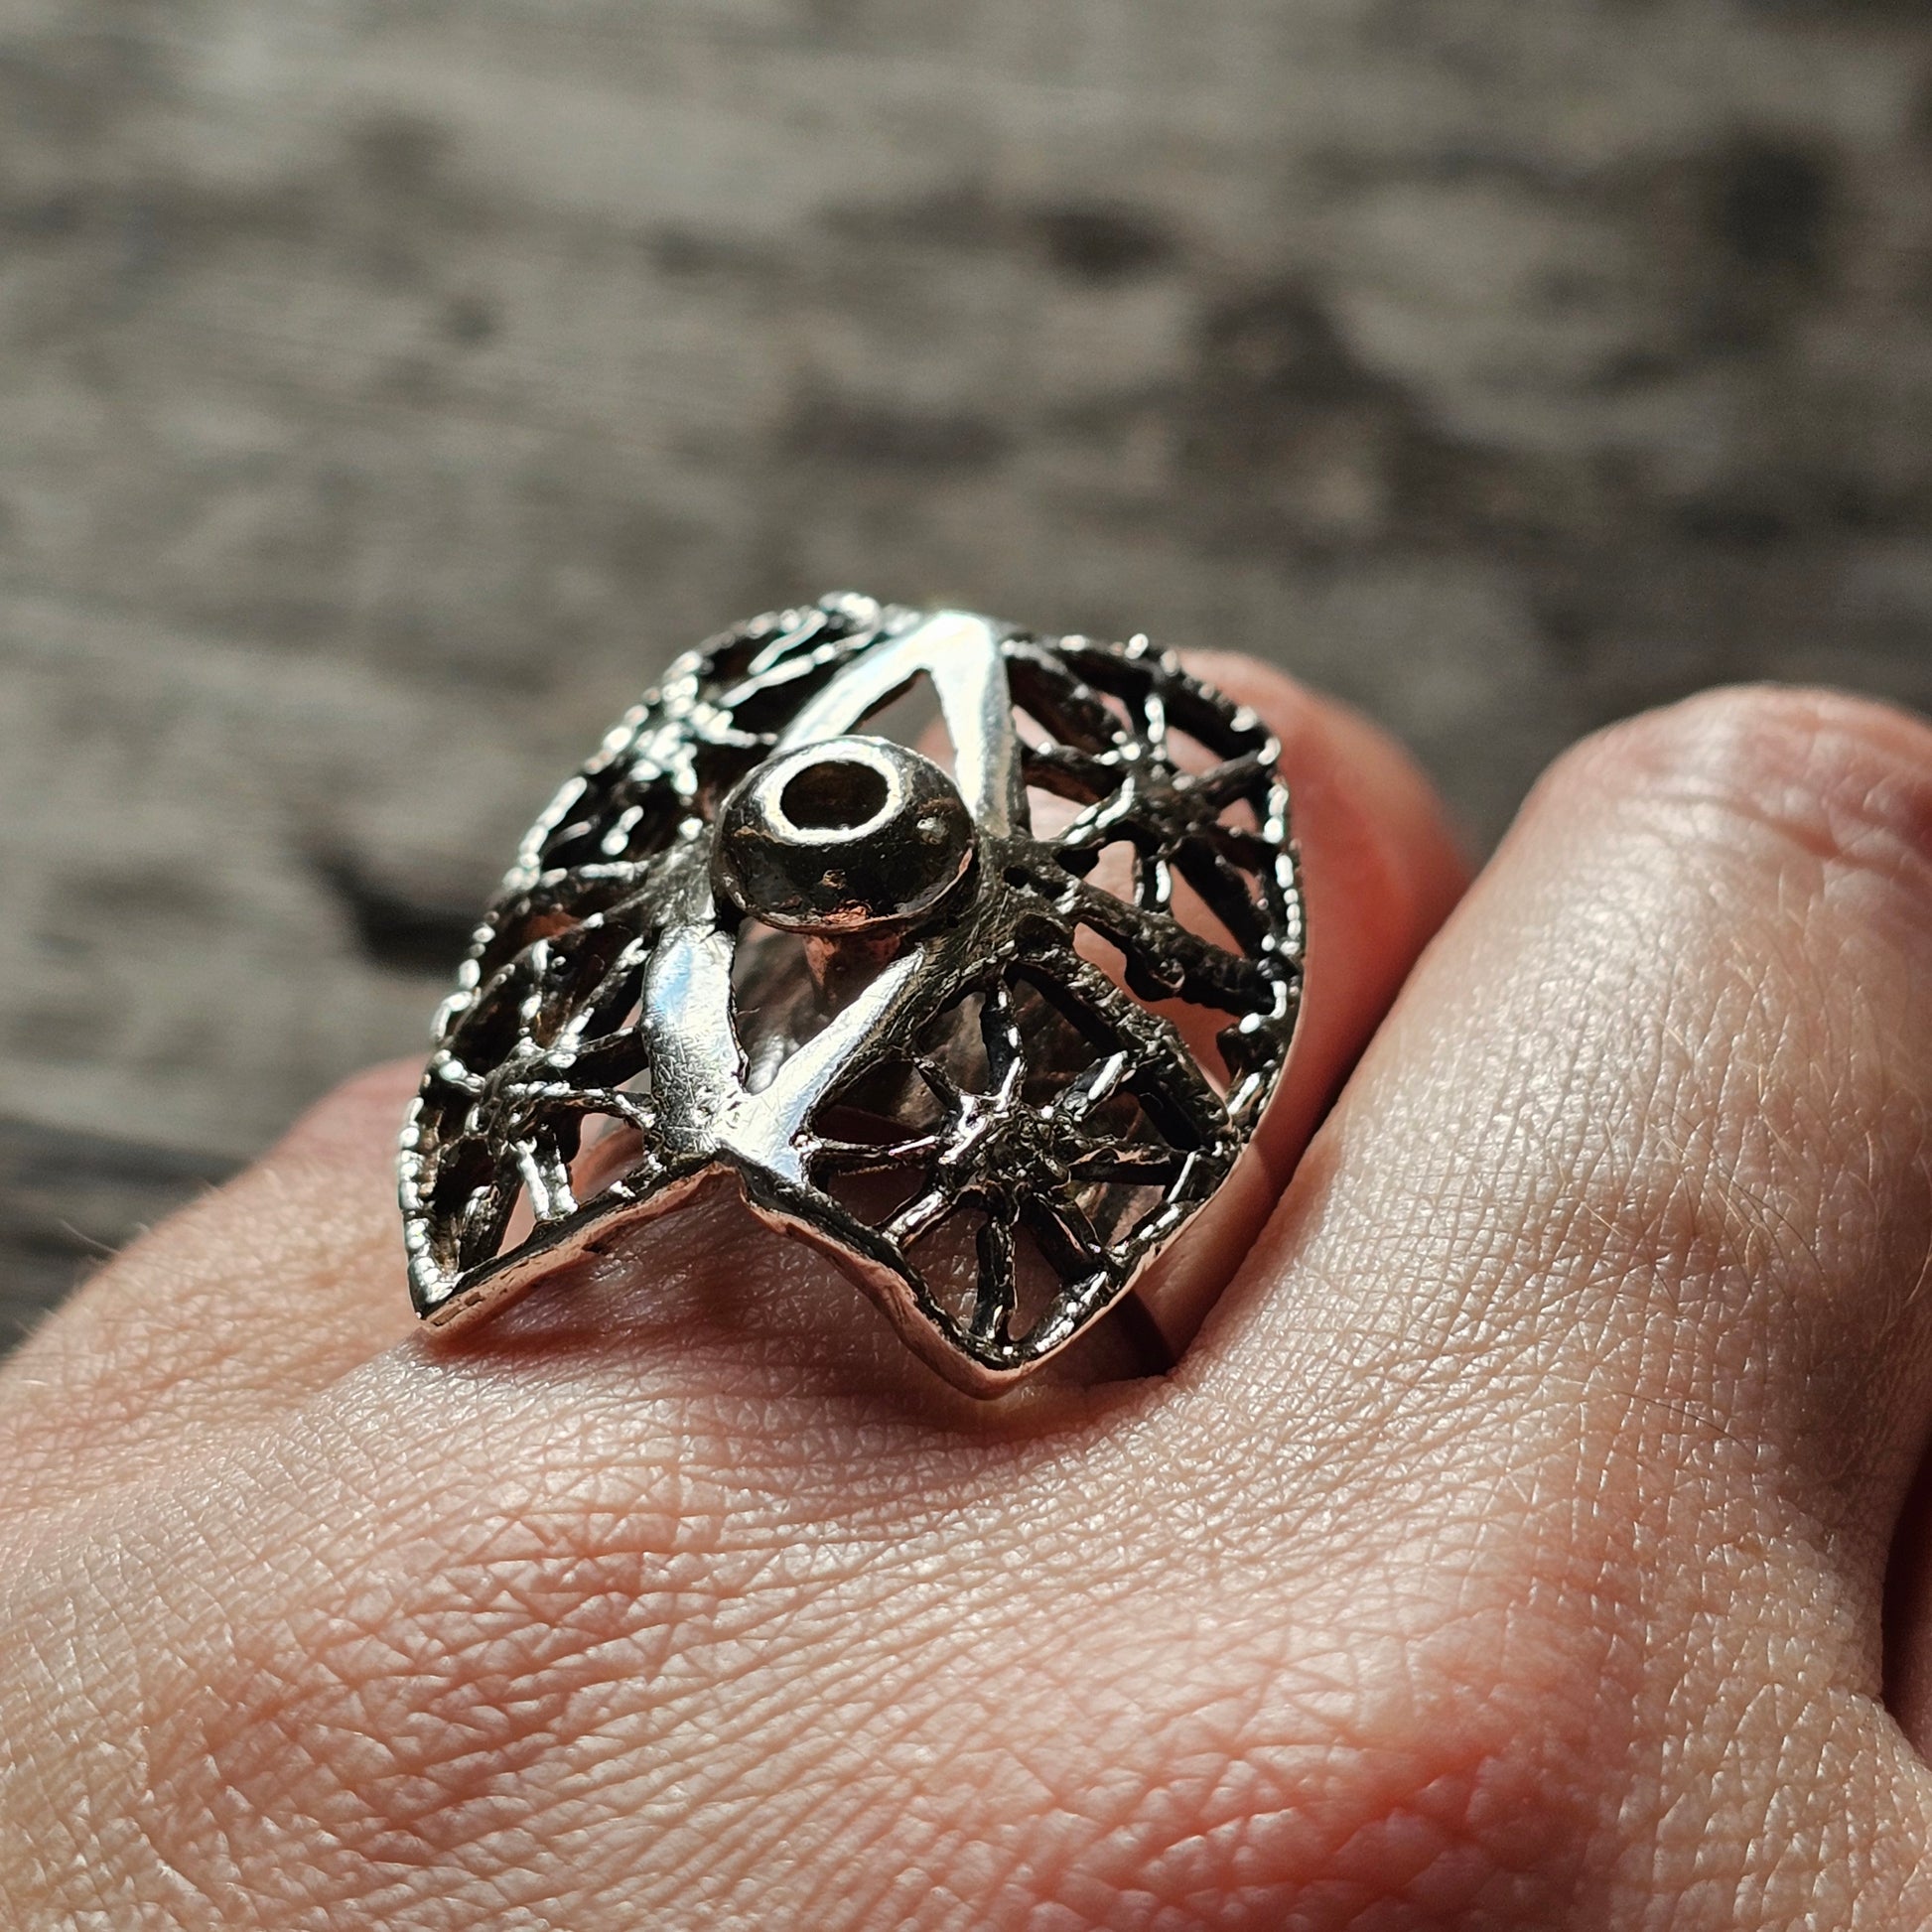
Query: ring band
{"points": [[989, 1026]]}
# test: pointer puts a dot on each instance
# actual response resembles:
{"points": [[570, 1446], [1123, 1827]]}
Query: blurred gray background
{"points": [[389, 386]]}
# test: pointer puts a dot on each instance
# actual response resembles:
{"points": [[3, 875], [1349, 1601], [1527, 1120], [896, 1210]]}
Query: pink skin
{"points": [[1509, 1550]]}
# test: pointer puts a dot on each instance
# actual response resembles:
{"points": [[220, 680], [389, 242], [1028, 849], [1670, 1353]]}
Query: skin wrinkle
{"points": [[1242, 1811], [408, 1811]]}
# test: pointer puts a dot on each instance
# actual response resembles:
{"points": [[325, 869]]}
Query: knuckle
{"points": [[1842, 779], [1752, 1155], [439, 1669], [1438, 1793]]}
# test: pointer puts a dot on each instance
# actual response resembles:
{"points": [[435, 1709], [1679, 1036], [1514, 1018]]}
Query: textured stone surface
{"points": [[387, 386]]}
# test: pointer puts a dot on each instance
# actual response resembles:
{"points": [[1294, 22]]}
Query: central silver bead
{"points": [[845, 836]]}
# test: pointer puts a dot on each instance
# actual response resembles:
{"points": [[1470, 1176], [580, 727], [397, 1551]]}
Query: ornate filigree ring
{"points": [[990, 1022]]}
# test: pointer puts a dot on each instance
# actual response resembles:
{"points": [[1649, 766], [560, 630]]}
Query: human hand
{"points": [[1511, 1549]]}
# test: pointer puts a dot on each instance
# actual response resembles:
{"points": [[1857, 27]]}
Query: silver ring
{"points": [[990, 1022]]}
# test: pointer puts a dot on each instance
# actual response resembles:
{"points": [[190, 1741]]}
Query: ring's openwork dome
{"points": [[989, 1016]]}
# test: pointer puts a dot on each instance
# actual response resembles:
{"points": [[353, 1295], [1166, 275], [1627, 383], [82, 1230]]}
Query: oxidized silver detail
{"points": [[753, 938]]}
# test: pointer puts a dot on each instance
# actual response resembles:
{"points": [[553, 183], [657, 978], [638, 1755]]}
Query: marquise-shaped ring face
{"points": [[988, 1019]]}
